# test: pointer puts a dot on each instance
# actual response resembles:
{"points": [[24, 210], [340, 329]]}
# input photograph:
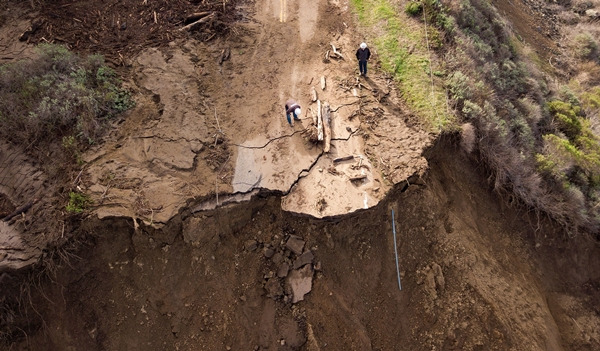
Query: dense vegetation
{"points": [[58, 98], [536, 137]]}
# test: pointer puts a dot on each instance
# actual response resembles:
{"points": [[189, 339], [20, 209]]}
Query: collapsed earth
{"points": [[157, 198]]}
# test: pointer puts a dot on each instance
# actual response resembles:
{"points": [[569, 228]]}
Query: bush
{"points": [[585, 47], [58, 94], [414, 8], [78, 202], [566, 118]]}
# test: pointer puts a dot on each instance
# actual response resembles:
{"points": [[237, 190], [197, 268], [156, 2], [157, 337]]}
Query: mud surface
{"points": [[190, 140]]}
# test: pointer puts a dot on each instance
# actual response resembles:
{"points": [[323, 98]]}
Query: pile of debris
{"points": [[290, 271]]}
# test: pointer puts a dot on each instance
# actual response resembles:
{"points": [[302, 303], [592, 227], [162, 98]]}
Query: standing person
{"points": [[292, 108], [362, 55]]}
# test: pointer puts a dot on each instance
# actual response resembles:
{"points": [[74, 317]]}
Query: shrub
{"points": [[566, 117], [78, 202], [414, 8], [459, 86], [591, 99], [585, 47], [58, 94]]}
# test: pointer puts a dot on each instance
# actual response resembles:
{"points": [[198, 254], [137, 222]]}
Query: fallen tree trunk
{"points": [[327, 126]]}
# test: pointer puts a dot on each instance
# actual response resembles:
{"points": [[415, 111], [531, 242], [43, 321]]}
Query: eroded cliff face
{"points": [[21, 184], [474, 274]]}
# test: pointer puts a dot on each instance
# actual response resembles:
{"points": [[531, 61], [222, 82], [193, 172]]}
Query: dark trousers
{"points": [[289, 117], [362, 67]]}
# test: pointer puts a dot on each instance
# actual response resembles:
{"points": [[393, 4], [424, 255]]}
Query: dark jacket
{"points": [[363, 55], [291, 105]]}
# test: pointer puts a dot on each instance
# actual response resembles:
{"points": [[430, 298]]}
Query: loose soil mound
{"points": [[119, 29]]}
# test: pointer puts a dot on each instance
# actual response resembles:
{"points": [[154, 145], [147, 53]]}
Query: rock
{"points": [[299, 283], [277, 258], [283, 270], [439, 277], [295, 244], [196, 146], [430, 283], [592, 13], [268, 252], [318, 266], [304, 259], [273, 287], [251, 245]]}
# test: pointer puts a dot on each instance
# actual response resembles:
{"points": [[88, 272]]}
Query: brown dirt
{"points": [[165, 264], [472, 275]]}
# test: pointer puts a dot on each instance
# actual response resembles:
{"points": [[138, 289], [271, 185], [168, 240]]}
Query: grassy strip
{"points": [[410, 68]]}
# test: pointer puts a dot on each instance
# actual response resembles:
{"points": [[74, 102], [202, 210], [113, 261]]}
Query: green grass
{"points": [[410, 69]]}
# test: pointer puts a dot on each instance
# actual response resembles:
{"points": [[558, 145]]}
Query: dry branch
{"points": [[195, 24], [336, 54], [196, 16], [225, 55], [313, 94]]}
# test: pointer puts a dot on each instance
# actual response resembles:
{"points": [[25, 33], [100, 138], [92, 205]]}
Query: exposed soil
{"points": [[168, 259], [472, 279]]}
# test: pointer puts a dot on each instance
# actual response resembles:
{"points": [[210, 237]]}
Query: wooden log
{"points": [[336, 53], [313, 94], [345, 158], [202, 20], [358, 177], [319, 122], [327, 126], [323, 84]]}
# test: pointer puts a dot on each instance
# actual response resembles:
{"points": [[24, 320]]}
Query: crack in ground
{"points": [[254, 190], [270, 141]]}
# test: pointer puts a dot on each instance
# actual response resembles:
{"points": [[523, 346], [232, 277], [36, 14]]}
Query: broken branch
{"points": [[195, 24]]}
